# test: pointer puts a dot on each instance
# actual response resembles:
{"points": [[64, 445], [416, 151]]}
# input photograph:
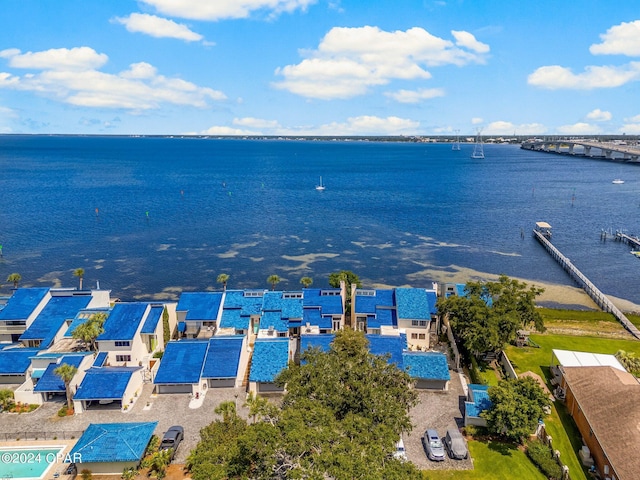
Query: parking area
{"points": [[438, 411]]}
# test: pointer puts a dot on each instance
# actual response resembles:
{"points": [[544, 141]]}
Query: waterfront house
{"points": [[373, 311], [20, 310], [103, 386], [416, 313], [240, 312], [199, 313], [323, 310], [181, 367], [226, 361], [270, 357], [111, 448]]}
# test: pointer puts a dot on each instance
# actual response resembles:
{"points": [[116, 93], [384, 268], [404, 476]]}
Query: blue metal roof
{"points": [[223, 356], [413, 303], [384, 317], [329, 304], [182, 362], [123, 321], [313, 316], [50, 382], [151, 322], [480, 402], [292, 308], [113, 442], [237, 299], [100, 359], [274, 319], [52, 318], [368, 303], [322, 341], [16, 361], [233, 318], [426, 365], [270, 357], [383, 344], [22, 303], [272, 301], [105, 383], [200, 305]]}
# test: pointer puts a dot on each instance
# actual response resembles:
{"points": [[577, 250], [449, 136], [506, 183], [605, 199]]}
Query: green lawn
{"points": [[492, 461], [559, 424]]}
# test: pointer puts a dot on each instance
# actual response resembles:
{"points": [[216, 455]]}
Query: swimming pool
{"points": [[29, 463]]}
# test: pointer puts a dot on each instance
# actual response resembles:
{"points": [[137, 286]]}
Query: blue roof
{"points": [[368, 303], [100, 359], [413, 303], [22, 303], [426, 365], [223, 356], [52, 318], [234, 318], [81, 317], [151, 322], [50, 382], [237, 299], [104, 383], [123, 321], [113, 442], [322, 341], [313, 316], [270, 357], [383, 316], [182, 362], [383, 344], [16, 361], [329, 304], [480, 402], [274, 319], [200, 305]]}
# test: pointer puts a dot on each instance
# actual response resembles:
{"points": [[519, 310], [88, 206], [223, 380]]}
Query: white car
{"points": [[400, 453]]}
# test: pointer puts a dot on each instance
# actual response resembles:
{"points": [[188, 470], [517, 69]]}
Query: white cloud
{"points": [[580, 128], [556, 77], [369, 125], [476, 120], [467, 40], [598, 115], [630, 128], [221, 9], [349, 61], [158, 27], [634, 119], [222, 130], [252, 122], [507, 128], [623, 39], [79, 58], [415, 96], [139, 88]]}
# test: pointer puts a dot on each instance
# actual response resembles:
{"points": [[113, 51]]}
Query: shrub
{"points": [[158, 354], [474, 372], [541, 455], [86, 474]]}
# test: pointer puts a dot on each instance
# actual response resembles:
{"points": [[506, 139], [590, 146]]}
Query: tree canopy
{"points": [[490, 314], [516, 407], [342, 414], [88, 331]]}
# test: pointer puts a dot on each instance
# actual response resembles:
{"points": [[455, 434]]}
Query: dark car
{"points": [[455, 444], [171, 439], [433, 446]]}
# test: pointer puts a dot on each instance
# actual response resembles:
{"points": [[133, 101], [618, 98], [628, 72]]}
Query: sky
{"points": [[320, 67]]}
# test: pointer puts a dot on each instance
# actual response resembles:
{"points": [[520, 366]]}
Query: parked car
{"points": [[433, 446], [171, 439], [455, 444], [400, 453]]}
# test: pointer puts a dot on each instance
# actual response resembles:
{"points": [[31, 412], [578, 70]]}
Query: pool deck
{"points": [[58, 468]]}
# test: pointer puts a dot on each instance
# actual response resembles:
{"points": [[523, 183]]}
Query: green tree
{"points": [[6, 398], [273, 280], [166, 329], [88, 331], [159, 462], [15, 279], [129, 474], [349, 279], [629, 361], [66, 372], [259, 407], [516, 407], [490, 314], [223, 278], [306, 281], [79, 272]]}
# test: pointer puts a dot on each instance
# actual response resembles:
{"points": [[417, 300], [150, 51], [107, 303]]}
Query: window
{"points": [[414, 336], [422, 336], [282, 334], [292, 295], [418, 323], [123, 343], [123, 358]]}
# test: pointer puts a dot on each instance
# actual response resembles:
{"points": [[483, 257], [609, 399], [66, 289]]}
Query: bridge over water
{"points": [[615, 151]]}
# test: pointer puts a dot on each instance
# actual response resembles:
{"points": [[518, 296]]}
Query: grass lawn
{"points": [[560, 425], [492, 460]]}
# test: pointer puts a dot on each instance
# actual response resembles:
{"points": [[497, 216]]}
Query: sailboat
{"points": [[478, 150], [320, 187]]}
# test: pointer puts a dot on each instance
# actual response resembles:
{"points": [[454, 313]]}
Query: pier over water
{"points": [[543, 235], [614, 151]]}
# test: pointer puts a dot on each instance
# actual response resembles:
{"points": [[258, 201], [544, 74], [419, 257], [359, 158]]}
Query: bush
{"points": [[474, 372], [86, 474], [158, 354], [541, 455]]}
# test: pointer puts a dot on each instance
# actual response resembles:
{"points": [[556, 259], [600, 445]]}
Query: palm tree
{"points": [[79, 272], [306, 281], [273, 280], [66, 372], [15, 279], [90, 330], [227, 410], [223, 278], [257, 405], [159, 462]]}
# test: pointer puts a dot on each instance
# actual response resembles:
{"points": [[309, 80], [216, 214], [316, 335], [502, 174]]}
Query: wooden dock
{"points": [[628, 239], [600, 298]]}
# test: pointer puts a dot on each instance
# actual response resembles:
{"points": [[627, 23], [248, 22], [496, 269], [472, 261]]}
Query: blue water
{"points": [[149, 217]]}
